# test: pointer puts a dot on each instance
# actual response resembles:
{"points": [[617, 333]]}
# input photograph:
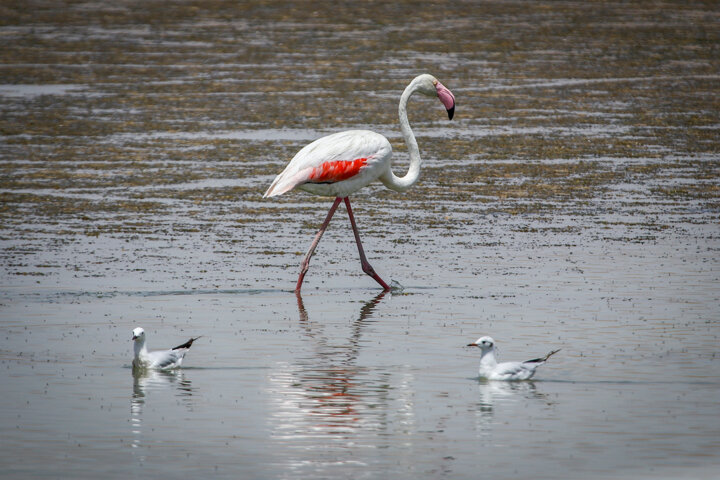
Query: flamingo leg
{"points": [[306, 262], [367, 268]]}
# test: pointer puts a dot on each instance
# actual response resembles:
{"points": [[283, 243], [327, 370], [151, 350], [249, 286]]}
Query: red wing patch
{"points": [[337, 171]]}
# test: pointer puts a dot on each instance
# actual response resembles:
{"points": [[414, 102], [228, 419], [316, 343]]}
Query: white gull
{"points": [[161, 359], [492, 370]]}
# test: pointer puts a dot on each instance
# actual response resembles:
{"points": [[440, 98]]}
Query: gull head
{"points": [[138, 334], [484, 343]]}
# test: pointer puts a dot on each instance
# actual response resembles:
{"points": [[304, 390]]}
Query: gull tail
{"points": [[187, 344], [542, 359]]}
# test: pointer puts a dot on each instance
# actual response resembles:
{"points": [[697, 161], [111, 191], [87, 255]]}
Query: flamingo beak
{"points": [[447, 99]]}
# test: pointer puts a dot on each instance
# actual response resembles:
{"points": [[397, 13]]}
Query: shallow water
{"points": [[572, 203]]}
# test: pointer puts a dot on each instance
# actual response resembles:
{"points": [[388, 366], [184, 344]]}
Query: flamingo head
{"points": [[430, 86]]}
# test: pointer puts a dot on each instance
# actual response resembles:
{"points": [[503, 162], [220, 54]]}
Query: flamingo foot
{"points": [[367, 268]]}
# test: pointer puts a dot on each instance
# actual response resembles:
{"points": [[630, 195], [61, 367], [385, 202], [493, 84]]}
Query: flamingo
{"points": [[340, 164]]}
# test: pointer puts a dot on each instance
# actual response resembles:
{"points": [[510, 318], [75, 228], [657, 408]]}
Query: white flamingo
{"points": [[341, 164]]}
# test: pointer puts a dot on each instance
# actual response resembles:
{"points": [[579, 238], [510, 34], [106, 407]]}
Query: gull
{"points": [[161, 359], [492, 370]]}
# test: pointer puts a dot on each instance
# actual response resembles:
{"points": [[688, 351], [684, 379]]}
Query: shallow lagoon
{"points": [[572, 203]]}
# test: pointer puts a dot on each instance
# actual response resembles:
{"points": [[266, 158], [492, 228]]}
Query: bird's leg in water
{"points": [[367, 268], [306, 262]]}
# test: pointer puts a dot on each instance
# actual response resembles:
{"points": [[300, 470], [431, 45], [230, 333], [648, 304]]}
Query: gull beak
{"points": [[471, 345], [135, 337]]}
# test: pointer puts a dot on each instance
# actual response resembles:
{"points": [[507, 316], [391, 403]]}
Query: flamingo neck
{"points": [[401, 184]]}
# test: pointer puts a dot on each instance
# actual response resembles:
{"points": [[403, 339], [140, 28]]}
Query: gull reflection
{"points": [[493, 394], [327, 393], [145, 382]]}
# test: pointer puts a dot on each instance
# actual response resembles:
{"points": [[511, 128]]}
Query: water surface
{"points": [[572, 203]]}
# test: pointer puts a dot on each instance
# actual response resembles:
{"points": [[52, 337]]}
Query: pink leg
{"points": [[367, 268], [306, 262]]}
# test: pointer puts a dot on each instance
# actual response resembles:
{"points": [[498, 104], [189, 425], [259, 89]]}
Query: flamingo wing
{"points": [[331, 159]]}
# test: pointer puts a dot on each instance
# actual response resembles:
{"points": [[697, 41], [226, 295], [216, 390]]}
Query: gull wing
{"points": [[166, 358], [514, 369], [542, 359], [186, 345]]}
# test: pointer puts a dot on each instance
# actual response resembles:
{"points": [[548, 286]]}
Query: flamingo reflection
{"points": [[328, 393]]}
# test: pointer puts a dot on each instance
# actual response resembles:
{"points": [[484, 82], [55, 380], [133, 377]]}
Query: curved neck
{"points": [[400, 184]]}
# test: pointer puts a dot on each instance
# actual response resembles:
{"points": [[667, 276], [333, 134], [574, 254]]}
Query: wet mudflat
{"points": [[573, 203]]}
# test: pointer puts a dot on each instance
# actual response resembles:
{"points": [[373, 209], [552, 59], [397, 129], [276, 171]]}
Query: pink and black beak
{"points": [[471, 345], [135, 337], [447, 98]]}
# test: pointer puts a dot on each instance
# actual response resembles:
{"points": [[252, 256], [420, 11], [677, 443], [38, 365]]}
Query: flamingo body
{"points": [[340, 164], [336, 165]]}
